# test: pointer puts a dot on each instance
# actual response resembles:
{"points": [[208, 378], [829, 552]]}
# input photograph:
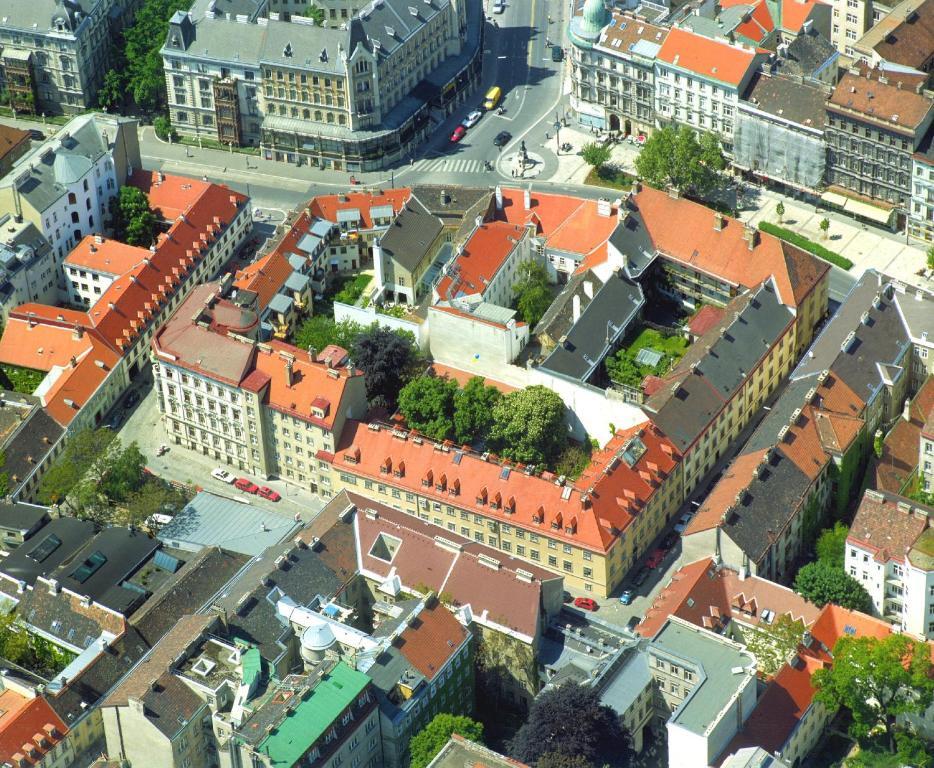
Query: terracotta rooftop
{"points": [[29, 729], [736, 477], [483, 255], [265, 277], [887, 525], [709, 596], [432, 639], [327, 206], [713, 59], [628, 30], [889, 104], [796, 12], [105, 255], [169, 195], [706, 318], [900, 449]]}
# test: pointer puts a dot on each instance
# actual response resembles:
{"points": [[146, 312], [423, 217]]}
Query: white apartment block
{"points": [[890, 551], [699, 81], [921, 207], [27, 267], [852, 19]]}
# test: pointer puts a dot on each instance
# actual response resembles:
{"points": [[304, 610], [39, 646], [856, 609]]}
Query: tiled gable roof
{"points": [[327, 206], [29, 729], [900, 449], [483, 254], [711, 58], [431, 639], [265, 277], [883, 103], [888, 525]]}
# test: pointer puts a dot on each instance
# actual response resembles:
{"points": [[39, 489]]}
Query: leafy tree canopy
{"points": [[473, 410], [570, 721], [145, 76], [560, 760], [831, 545], [531, 292], [427, 402], [595, 154], [429, 741], [822, 583], [133, 220], [386, 359], [877, 679], [319, 331], [528, 426], [676, 157]]}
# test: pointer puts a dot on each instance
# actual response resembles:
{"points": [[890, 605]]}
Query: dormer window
{"points": [[497, 501], [510, 508], [428, 479], [399, 471], [539, 515], [556, 523], [442, 484], [482, 496]]}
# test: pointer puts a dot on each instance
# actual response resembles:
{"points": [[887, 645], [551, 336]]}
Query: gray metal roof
{"points": [[296, 282], [786, 98], [917, 310], [309, 243], [280, 303], [412, 232], [22, 517], [715, 659], [209, 520], [48, 548], [627, 683], [601, 324], [37, 15]]}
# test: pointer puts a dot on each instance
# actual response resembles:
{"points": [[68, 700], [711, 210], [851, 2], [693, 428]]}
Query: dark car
{"points": [[671, 538], [634, 621], [557, 53], [641, 576], [115, 421], [36, 135], [132, 398], [656, 558], [502, 138]]}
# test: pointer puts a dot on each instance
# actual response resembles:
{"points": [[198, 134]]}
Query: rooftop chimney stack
{"points": [[499, 198], [288, 373], [718, 221], [312, 355], [527, 198], [751, 236]]}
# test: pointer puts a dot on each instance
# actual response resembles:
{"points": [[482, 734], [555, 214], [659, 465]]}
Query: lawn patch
{"points": [[648, 353], [22, 380], [806, 245]]}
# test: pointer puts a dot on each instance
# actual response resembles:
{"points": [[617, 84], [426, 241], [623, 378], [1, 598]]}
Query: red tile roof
{"points": [[887, 526], [106, 255], [737, 476], [265, 277], [471, 573], [712, 58], [433, 638], [11, 138], [170, 195], [796, 12], [702, 591], [538, 504], [900, 449], [891, 104], [488, 248], [27, 727], [327, 206], [705, 319], [566, 223]]}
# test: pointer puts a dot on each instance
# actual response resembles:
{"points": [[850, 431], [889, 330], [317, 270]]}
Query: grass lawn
{"points": [[623, 368], [22, 380], [609, 176], [349, 288]]}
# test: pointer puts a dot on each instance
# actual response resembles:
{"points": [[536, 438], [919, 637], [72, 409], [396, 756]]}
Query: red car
{"points": [[656, 558], [459, 133], [242, 484], [587, 603], [268, 493]]}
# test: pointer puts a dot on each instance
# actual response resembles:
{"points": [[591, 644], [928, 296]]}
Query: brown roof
{"points": [[11, 138], [629, 29], [736, 477], [887, 525], [905, 36], [701, 592], [891, 104], [900, 449], [431, 639]]}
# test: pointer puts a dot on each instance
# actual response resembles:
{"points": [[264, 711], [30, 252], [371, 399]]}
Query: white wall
{"points": [[368, 315], [919, 596], [470, 336], [685, 748]]}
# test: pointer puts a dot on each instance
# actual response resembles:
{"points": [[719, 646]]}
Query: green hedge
{"points": [[807, 245]]}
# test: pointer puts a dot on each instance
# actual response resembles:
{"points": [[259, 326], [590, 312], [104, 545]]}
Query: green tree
{"points": [[831, 545], [124, 473], [4, 476], [676, 157], [531, 292], [877, 679], [320, 330], [133, 220], [14, 641], [473, 410], [528, 426], [153, 497], [143, 39], [595, 155], [83, 450], [570, 720], [773, 644], [822, 583], [112, 90], [573, 461], [780, 211], [386, 359], [561, 760], [164, 129], [427, 402], [429, 741], [314, 13], [824, 228], [930, 257]]}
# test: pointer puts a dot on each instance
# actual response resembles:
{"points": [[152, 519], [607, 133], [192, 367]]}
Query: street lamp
{"points": [[557, 127]]}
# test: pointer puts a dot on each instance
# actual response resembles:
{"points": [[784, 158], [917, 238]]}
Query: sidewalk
{"points": [[866, 246]]}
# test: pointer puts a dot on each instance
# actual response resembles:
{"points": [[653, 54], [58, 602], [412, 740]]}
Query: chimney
{"points": [[751, 236], [499, 198], [673, 192], [312, 355], [718, 221], [906, 411], [576, 307], [527, 198], [588, 288], [78, 332], [288, 373]]}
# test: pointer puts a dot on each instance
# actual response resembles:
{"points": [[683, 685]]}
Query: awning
{"points": [[868, 211], [834, 199]]}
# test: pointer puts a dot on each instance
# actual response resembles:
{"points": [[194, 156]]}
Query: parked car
{"points": [[557, 53], [132, 398], [268, 493], [641, 576], [626, 597], [499, 6], [683, 522], [472, 119], [242, 484], [656, 558], [567, 597], [634, 621], [115, 421], [502, 138], [458, 134], [223, 475], [587, 603], [671, 538]]}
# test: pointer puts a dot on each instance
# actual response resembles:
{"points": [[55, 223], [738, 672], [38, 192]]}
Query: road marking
{"points": [[531, 21], [501, 57]]}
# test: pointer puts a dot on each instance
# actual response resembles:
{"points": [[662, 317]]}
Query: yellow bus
{"points": [[492, 97]]}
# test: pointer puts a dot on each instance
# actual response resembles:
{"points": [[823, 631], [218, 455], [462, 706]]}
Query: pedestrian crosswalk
{"points": [[449, 165]]}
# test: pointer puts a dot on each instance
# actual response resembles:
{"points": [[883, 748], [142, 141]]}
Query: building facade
{"points": [[54, 53], [28, 271], [852, 19], [921, 212]]}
